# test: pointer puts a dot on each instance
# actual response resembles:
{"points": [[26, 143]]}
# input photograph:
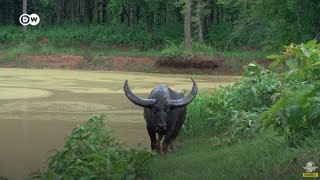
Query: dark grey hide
{"points": [[164, 112]]}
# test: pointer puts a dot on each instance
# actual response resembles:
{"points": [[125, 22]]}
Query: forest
{"points": [[256, 114], [223, 24]]}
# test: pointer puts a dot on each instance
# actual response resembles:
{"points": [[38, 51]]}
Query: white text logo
{"points": [[32, 19]]}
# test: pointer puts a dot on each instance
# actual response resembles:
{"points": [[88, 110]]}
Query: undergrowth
{"points": [[90, 153], [267, 156], [287, 100]]}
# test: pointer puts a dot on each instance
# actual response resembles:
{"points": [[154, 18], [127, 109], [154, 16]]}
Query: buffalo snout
{"points": [[161, 128]]}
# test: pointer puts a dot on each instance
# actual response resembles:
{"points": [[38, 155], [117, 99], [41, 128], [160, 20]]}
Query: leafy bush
{"points": [[90, 153], [297, 114], [236, 109], [290, 100], [303, 59]]}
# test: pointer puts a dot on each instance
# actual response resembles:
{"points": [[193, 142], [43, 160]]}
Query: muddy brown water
{"points": [[39, 108]]}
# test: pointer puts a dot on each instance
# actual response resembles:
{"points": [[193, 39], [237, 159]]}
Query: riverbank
{"points": [[106, 58]]}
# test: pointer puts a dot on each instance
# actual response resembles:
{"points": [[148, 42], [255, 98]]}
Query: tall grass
{"points": [[265, 157], [14, 53], [198, 113]]}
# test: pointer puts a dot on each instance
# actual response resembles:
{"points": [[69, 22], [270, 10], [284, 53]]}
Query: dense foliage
{"points": [[297, 113], [90, 153], [221, 23], [289, 101]]}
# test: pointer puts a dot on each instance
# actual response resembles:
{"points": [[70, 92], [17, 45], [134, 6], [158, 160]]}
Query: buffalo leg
{"points": [[159, 139], [154, 145], [165, 144], [173, 145]]}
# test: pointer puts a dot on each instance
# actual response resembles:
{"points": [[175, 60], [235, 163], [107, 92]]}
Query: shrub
{"points": [[235, 110], [297, 114], [290, 101], [90, 153]]}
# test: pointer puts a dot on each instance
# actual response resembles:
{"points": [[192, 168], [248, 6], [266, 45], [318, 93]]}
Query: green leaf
{"points": [[275, 63], [316, 65], [314, 99], [297, 51], [254, 90], [310, 44], [292, 63], [267, 116], [276, 57], [296, 115], [314, 111], [305, 51]]}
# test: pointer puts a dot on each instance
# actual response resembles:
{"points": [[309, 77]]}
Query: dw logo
{"points": [[32, 19]]}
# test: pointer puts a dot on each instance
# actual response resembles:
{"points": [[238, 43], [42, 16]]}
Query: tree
{"points": [[24, 11], [199, 11], [187, 22], [81, 11]]}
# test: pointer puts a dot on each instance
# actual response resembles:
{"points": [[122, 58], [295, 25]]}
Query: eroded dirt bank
{"points": [[40, 107], [194, 65]]}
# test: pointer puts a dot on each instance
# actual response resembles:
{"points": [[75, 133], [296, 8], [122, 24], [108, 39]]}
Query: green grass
{"points": [[265, 157], [197, 116], [13, 51]]}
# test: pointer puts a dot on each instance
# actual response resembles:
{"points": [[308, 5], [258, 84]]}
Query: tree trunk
{"points": [[205, 27], [24, 11], [220, 20], [90, 11], [215, 14], [131, 14], [62, 9], [99, 11], [199, 25], [199, 28], [138, 13], [124, 10], [58, 11], [104, 11], [150, 19], [72, 11], [187, 21], [166, 14], [81, 11]]}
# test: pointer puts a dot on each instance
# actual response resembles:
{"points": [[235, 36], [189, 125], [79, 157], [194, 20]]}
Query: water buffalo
{"points": [[164, 111]]}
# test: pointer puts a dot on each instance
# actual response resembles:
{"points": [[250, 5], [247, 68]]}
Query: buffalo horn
{"points": [[135, 99], [187, 99]]}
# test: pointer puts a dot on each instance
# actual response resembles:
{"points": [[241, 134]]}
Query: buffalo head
{"points": [[161, 106]]}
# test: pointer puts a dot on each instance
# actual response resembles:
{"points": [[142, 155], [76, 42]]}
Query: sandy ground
{"points": [[39, 108]]}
